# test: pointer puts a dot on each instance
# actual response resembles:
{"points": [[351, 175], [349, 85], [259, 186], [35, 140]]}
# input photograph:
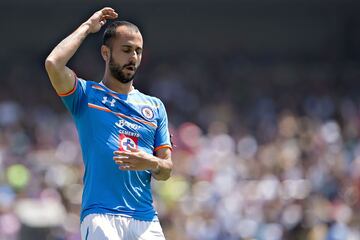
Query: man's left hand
{"points": [[135, 159]]}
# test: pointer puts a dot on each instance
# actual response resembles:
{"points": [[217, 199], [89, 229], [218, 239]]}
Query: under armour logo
{"points": [[112, 102]]}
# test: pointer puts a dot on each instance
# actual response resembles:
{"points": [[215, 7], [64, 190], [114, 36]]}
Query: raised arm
{"points": [[61, 77]]}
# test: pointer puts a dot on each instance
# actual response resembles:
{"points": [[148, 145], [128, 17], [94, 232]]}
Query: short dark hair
{"points": [[110, 31]]}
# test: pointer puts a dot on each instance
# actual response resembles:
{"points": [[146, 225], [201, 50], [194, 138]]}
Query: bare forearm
{"points": [[67, 48], [63, 52], [61, 77]]}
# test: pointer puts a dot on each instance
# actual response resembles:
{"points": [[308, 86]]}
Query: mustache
{"points": [[129, 65]]}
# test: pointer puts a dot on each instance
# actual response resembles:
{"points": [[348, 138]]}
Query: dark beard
{"points": [[116, 71]]}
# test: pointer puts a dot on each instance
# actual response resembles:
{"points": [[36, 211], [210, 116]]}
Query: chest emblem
{"points": [[147, 112], [127, 142]]}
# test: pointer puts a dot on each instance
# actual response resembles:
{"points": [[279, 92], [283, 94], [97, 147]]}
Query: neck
{"points": [[117, 86]]}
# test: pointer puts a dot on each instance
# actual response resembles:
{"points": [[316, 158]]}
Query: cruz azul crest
{"points": [[127, 142], [147, 112]]}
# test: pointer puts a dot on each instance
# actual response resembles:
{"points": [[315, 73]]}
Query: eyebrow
{"points": [[130, 46]]}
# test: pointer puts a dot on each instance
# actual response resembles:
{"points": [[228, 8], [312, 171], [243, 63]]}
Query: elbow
{"points": [[163, 177], [53, 64], [165, 170], [166, 175], [49, 64]]}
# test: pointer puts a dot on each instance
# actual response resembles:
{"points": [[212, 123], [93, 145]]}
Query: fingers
{"points": [[108, 13], [102, 23], [123, 153], [133, 149], [120, 159], [126, 160], [127, 167], [106, 10], [131, 152], [123, 162]]}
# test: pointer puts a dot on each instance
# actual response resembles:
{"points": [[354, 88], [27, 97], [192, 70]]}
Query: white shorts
{"points": [[115, 227]]}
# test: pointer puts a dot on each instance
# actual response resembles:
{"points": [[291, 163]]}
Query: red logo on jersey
{"points": [[127, 142]]}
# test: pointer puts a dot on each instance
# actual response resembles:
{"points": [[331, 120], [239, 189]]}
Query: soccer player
{"points": [[123, 133]]}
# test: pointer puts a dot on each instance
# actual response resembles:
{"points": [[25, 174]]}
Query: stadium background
{"points": [[263, 101]]}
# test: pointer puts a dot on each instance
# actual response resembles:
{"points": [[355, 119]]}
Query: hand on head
{"points": [[98, 19]]}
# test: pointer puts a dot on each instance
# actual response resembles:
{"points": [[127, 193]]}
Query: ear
{"points": [[105, 53]]}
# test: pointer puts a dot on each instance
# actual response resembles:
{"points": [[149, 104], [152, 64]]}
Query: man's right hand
{"points": [[98, 19]]}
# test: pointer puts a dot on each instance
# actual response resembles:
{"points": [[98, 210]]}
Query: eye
{"points": [[126, 50]]}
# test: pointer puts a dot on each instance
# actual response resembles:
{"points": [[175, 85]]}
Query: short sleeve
{"points": [[162, 135], [74, 100]]}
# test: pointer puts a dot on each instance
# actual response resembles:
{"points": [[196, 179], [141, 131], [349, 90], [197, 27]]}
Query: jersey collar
{"points": [[133, 90]]}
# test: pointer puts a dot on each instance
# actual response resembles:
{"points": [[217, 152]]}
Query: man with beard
{"points": [[123, 133]]}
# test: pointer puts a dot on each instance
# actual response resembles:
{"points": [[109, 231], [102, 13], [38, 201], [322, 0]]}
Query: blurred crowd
{"points": [[263, 151]]}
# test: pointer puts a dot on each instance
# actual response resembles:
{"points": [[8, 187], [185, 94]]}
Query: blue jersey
{"points": [[107, 121]]}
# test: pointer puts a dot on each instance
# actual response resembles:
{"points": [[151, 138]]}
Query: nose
{"points": [[134, 56]]}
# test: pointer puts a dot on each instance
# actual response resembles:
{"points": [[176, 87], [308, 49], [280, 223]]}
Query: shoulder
{"points": [[90, 84], [149, 100]]}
